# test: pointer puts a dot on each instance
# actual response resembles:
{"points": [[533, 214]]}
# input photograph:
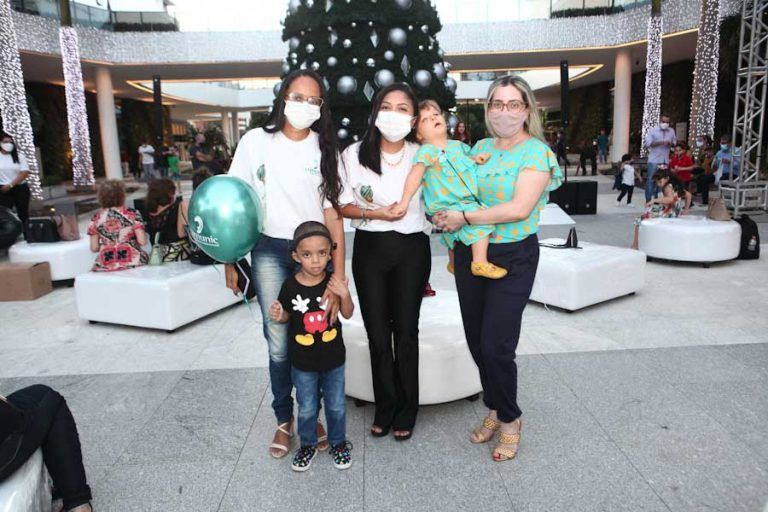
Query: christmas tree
{"points": [[361, 46]]}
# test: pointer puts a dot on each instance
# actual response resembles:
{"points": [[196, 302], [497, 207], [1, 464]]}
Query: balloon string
{"points": [[245, 299]]}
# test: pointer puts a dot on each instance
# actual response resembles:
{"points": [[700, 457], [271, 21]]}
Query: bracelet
{"points": [[364, 215], [464, 214]]}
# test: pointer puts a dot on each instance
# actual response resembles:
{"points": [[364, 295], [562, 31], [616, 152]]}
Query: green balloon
{"points": [[225, 218]]}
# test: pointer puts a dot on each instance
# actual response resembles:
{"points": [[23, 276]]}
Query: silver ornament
{"points": [[293, 43], [315, 65], [370, 62], [439, 70], [303, 65], [332, 61], [301, 32], [453, 121], [389, 55], [346, 43], [421, 47], [354, 60], [345, 121], [293, 55], [397, 36], [286, 68], [425, 29], [294, 61], [404, 4], [342, 133], [410, 27], [310, 48], [370, 23], [353, 24], [310, 3], [422, 78], [346, 85], [355, 137], [440, 52], [448, 65], [450, 84], [383, 78], [276, 88], [293, 6]]}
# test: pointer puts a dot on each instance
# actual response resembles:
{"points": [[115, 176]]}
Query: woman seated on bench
{"points": [[165, 225], [674, 201], [36, 417], [117, 233]]}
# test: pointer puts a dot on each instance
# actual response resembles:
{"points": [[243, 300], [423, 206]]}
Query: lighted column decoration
{"points": [[704, 97], [13, 98], [652, 104], [77, 116]]}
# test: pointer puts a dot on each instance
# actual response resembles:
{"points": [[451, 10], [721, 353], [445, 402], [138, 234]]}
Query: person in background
{"points": [[602, 147], [703, 173], [166, 225], [173, 166], [628, 176], [462, 134], [162, 161], [659, 141], [561, 150], [38, 417], [724, 164], [201, 153], [681, 165], [117, 233], [125, 163], [674, 201], [147, 159], [14, 191], [587, 152]]}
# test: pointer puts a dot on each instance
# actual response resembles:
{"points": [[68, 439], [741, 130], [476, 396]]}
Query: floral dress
{"points": [[663, 211], [118, 247]]}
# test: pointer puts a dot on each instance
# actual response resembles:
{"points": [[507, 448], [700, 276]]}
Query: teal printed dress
{"points": [[497, 179], [450, 183]]}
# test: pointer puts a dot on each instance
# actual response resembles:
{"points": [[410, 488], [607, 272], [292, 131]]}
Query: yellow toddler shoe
{"points": [[488, 270]]}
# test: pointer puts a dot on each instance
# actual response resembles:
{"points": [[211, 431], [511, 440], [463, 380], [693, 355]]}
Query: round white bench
{"points": [[28, 488], [446, 369], [67, 259], [690, 238]]}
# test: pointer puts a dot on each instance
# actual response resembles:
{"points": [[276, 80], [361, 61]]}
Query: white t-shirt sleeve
{"points": [[242, 162], [23, 165], [347, 196]]}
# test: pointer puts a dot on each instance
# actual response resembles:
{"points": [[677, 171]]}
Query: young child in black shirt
{"points": [[315, 348]]}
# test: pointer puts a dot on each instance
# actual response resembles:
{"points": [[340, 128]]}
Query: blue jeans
{"points": [[651, 189], [271, 265], [309, 387]]}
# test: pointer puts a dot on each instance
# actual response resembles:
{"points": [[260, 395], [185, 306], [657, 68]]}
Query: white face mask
{"points": [[394, 126], [7, 146], [664, 126], [301, 115]]}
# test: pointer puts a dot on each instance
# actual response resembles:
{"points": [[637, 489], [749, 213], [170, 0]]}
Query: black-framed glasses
{"points": [[514, 106], [312, 100]]}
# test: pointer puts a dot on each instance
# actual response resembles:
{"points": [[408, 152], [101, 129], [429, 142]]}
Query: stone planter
{"points": [[54, 191]]}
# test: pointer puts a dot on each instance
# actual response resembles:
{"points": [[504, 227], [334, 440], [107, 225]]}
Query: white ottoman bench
{"points": [[165, 296], [572, 279], [67, 259], [28, 488], [446, 369], [690, 238]]}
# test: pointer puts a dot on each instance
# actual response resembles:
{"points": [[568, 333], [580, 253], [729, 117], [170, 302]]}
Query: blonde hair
{"points": [[533, 124], [425, 104]]}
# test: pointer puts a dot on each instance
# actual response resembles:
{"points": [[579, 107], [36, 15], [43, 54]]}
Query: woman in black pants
{"points": [[36, 417], [514, 185], [391, 258], [14, 191]]}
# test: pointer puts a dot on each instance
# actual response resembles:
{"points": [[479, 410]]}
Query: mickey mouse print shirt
{"points": [[313, 345]]}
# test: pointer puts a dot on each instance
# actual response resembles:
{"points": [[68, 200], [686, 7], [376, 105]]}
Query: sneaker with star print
{"points": [[342, 458], [303, 458]]}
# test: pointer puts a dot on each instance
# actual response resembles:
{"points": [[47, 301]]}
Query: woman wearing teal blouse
{"points": [[514, 184]]}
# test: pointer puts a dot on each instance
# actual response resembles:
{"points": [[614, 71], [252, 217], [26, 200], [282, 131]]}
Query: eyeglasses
{"points": [[514, 106], [312, 100]]}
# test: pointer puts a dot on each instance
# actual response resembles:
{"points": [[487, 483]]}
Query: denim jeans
{"points": [[309, 387], [271, 265], [651, 189]]}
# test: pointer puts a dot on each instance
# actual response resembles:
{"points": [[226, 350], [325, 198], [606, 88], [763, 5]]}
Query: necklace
{"points": [[401, 155]]}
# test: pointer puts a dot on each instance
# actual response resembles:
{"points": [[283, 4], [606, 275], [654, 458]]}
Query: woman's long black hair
{"points": [[369, 153], [15, 153], [330, 188]]}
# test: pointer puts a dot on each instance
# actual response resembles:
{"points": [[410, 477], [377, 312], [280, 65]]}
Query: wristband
{"points": [[464, 214]]}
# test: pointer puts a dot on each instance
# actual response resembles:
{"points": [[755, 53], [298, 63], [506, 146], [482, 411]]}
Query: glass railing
{"points": [[104, 19]]}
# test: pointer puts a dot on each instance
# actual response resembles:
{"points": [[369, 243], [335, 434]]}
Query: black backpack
{"points": [[42, 230], [750, 239]]}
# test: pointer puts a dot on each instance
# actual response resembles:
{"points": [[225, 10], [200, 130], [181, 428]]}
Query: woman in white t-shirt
{"points": [[391, 259], [292, 163], [14, 191]]}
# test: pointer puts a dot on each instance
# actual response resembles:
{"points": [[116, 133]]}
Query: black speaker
{"points": [[564, 93], [586, 197], [565, 197]]}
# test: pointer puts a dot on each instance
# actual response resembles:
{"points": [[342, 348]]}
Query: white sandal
{"points": [[277, 446]]}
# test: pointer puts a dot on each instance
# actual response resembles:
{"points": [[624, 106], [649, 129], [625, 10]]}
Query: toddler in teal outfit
{"points": [[447, 173]]}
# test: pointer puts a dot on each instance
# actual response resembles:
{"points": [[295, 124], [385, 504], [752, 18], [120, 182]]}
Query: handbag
{"points": [[716, 210], [66, 225], [158, 251], [572, 242], [42, 230]]}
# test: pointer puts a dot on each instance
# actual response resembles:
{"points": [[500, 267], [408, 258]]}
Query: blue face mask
{"points": [[723, 146]]}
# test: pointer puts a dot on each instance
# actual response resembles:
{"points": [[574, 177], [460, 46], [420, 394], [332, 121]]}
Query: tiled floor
{"points": [[651, 402]]}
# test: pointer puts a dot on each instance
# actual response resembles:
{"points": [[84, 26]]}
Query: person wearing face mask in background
{"points": [[725, 165], [291, 163], [391, 259], [14, 191], [514, 184], [659, 141]]}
